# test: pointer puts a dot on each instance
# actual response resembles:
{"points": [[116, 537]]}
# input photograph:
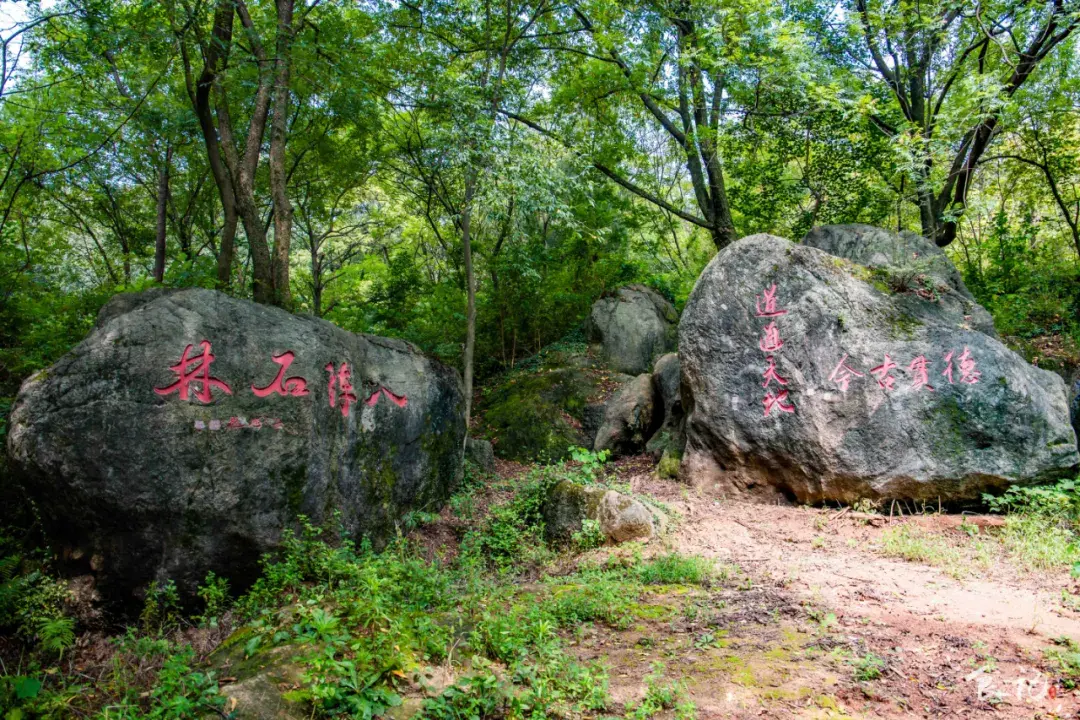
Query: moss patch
{"points": [[536, 415]]}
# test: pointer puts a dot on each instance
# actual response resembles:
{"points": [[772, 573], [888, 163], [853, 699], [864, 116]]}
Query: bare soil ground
{"points": [[811, 595]]}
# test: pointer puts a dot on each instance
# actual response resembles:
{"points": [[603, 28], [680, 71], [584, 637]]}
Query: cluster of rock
{"points": [[190, 429], [635, 330], [857, 365], [578, 395]]}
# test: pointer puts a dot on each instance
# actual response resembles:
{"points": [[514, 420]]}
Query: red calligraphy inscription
{"points": [[842, 374], [399, 400], [295, 386], [968, 372], [342, 378], [198, 373], [765, 304], [919, 377], [770, 374], [771, 341], [777, 401], [881, 374]]}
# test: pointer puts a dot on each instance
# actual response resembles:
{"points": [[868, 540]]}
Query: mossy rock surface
{"points": [[621, 517], [255, 692], [538, 413]]}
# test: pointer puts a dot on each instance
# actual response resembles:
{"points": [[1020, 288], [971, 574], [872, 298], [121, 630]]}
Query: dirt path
{"points": [[962, 637]]}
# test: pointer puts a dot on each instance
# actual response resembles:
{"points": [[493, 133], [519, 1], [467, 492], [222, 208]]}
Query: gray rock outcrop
{"points": [[666, 376], [804, 377], [189, 429], [634, 325], [667, 443]]}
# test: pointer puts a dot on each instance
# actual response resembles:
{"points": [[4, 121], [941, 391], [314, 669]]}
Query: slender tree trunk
{"points": [[316, 272], [283, 210], [262, 282], [470, 282], [162, 213], [227, 251]]}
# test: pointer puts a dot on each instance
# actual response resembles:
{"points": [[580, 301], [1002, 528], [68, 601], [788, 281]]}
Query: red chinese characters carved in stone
{"points": [[765, 304], [770, 374], [777, 401], [399, 400], [199, 373], [295, 386], [918, 370], [842, 374], [881, 374], [342, 378], [771, 342], [968, 373]]}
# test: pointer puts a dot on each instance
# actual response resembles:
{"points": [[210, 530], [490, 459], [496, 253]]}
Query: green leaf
{"points": [[27, 688]]}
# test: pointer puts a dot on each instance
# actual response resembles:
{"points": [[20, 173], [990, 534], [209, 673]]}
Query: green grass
{"points": [[1039, 542], [1066, 660], [869, 667], [674, 569], [914, 544]]}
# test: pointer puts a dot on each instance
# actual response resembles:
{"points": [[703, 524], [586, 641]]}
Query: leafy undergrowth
{"points": [[333, 629]]}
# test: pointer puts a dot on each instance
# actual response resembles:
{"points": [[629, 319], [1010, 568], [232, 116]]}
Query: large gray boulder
{"points": [[185, 434], [630, 418], [480, 453], [803, 377], [908, 265], [1072, 383], [634, 325]]}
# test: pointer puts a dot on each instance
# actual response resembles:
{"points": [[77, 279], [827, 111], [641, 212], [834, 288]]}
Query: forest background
{"points": [[471, 175]]}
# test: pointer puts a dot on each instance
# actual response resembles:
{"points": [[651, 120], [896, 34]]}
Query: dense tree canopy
{"points": [[470, 174]]}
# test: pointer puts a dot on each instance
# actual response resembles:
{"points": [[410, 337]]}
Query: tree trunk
{"points": [[162, 213], [216, 58], [470, 282], [316, 272], [228, 245], [262, 281], [283, 210]]}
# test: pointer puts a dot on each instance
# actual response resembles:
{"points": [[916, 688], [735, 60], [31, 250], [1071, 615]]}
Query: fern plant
{"points": [[56, 634]]}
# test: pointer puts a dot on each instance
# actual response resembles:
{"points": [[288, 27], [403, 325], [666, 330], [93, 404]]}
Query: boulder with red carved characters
{"points": [[806, 376], [191, 429]]}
